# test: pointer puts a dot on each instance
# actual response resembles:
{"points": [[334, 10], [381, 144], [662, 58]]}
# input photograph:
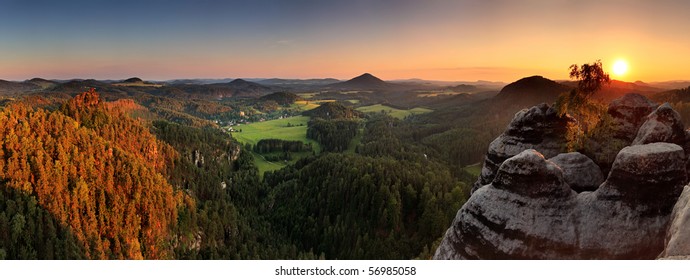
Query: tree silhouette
{"points": [[591, 77]]}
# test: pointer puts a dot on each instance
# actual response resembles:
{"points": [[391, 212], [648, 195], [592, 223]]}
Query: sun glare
{"points": [[620, 67]]}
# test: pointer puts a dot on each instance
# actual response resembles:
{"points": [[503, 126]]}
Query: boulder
{"points": [[530, 212], [662, 125], [579, 171], [538, 128], [628, 114], [677, 243]]}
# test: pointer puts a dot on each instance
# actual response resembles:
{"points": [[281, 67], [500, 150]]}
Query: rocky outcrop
{"points": [[662, 125], [628, 114], [678, 237], [198, 158], [579, 171], [538, 128], [530, 212], [234, 153]]}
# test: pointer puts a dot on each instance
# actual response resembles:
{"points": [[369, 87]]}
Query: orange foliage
{"points": [[101, 175]]}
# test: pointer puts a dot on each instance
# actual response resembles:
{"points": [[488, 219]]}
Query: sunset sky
{"points": [[497, 40]]}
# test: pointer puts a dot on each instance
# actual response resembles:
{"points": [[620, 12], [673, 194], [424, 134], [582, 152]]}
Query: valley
{"points": [[304, 169]]}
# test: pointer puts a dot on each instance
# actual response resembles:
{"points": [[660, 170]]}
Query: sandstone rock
{"points": [[234, 153], [647, 175], [678, 236], [662, 125], [628, 114], [529, 212], [538, 128], [198, 158], [579, 171]]}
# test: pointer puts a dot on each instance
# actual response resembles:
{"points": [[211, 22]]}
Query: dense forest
{"points": [[334, 135], [92, 179]]}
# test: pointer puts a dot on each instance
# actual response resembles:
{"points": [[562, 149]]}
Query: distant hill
{"points": [[365, 81], [671, 84], [235, 88], [463, 88], [133, 80], [42, 83], [282, 98], [673, 96], [617, 89], [297, 82], [10, 88], [531, 91], [245, 88], [333, 110]]}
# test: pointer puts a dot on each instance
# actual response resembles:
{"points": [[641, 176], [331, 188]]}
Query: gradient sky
{"points": [[498, 40]]}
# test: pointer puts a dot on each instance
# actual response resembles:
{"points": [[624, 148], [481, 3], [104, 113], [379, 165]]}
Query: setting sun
{"points": [[620, 67]]}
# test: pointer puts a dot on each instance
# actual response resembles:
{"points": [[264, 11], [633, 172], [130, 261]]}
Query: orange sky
{"points": [[497, 40]]}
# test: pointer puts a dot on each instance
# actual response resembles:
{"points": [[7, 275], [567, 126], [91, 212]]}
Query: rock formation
{"points": [[662, 125], [538, 128], [628, 114], [530, 212], [528, 207], [678, 236], [579, 171]]}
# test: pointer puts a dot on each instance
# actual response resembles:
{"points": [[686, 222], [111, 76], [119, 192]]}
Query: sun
{"points": [[620, 67]]}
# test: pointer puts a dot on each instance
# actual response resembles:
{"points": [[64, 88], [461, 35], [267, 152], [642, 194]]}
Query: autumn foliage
{"points": [[98, 172]]}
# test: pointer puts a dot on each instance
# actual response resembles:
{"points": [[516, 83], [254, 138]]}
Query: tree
{"points": [[590, 77], [579, 102]]}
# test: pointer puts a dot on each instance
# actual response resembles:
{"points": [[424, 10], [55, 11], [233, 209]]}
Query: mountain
{"points": [[9, 87], [365, 81], [531, 91], [133, 80], [42, 83], [235, 88]]}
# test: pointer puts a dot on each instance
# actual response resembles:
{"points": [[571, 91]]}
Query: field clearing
{"points": [[304, 105], [474, 169], [397, 113], [275, 129], [307, 94]]}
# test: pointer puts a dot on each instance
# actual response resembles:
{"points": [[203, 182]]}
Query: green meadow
{"points": [[397, 113], [275, 129], [474, 169]]}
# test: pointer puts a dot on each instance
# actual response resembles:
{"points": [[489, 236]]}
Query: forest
{"points": [[86, 179], [136, 175]]}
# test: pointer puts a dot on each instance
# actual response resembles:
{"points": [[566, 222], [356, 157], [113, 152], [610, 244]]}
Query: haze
{"points": [[443, 40]]}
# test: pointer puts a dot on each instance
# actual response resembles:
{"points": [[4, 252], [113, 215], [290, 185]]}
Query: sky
{"points": [[461, 40]]}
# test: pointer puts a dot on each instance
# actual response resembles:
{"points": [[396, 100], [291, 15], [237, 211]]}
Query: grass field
{"points": [[397, 113], [275, 129], [474, 169], [305, 105]]}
